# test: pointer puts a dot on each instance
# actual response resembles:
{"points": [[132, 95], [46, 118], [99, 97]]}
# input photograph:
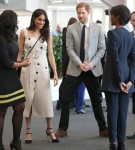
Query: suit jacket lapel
{"points": [[91, 32], [79, 30]]}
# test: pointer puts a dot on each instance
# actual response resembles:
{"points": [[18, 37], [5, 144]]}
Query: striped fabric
{"points": [[12, 96]]}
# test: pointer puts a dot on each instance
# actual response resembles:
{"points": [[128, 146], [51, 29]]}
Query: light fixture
{"points": [[57, 1]]}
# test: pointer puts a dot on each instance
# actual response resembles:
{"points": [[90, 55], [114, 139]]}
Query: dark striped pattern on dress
{"points": [[12, 97]]}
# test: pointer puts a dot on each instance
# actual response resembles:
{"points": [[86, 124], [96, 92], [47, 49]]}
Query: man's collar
{"points": [[87, 24]]}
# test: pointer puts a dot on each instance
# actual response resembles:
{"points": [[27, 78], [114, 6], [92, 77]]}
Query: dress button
{"points": [[38, 63], [45, 67], [36, 72], [41, 47], [30, 47], [35, 80]]}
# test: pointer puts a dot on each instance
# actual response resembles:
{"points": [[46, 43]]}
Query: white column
{"points": [[31, 5], [54, 19]]}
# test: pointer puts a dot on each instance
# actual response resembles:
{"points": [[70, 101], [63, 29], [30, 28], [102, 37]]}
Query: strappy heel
{"points": [[15, 146], [49, 134], [28, 132]]}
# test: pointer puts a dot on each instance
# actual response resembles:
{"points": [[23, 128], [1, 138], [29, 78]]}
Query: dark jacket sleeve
{"points": [[131, 59], [114, 59], [5, 60]]}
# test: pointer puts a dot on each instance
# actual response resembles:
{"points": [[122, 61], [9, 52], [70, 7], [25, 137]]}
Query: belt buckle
{"points": [[36, 56]]}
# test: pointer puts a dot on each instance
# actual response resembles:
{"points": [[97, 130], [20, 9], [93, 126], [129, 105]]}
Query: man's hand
{"points": [[82, 67], [86, 66]]}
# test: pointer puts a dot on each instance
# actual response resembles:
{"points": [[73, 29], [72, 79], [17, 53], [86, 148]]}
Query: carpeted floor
{"points": [[83, 132]]}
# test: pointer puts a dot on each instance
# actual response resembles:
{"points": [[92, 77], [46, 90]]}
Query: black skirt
{"points": [[11, 91]]}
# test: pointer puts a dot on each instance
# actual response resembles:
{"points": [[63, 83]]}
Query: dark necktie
{"points": [[82, 50]]}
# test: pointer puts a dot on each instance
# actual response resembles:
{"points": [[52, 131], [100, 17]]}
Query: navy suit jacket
{"points": [[120, 63]]}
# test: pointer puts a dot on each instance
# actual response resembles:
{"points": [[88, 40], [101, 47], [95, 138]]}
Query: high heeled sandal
{"points": [[2, 147], [28, 132], [15, 146], [49, 134]]}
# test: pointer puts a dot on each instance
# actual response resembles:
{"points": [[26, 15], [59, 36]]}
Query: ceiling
{"points": [[70, 2], [52, 5]]}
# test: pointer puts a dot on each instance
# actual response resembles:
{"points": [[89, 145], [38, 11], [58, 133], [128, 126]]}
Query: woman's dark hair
{"points": [[71, 21], [8, 24], [45, 31], [123, 12]]}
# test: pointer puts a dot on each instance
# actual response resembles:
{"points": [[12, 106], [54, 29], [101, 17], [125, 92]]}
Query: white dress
{"points": [[36, 80]]}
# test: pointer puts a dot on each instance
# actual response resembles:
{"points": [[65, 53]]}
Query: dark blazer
{"points": [[120, 63], [65, 57]]}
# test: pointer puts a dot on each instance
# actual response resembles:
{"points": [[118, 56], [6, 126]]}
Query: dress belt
{"points": [[36, 56]]}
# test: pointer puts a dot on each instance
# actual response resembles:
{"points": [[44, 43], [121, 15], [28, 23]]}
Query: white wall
{"points": [[64, 16]]}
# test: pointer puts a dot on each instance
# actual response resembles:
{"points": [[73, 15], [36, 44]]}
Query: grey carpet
{"points": [[83, 132]]}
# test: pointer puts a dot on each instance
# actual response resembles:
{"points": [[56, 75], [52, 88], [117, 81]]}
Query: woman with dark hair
{"points": [[11, 91], [36, 78], [118, 75]]}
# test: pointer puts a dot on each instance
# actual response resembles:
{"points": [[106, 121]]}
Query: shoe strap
{"points": [[28, 128], [28, 133], [49, 128]]}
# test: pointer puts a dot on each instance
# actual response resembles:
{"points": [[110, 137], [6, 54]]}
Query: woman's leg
{"points": [[2, 117], [112, 115], [50, 128], [122, 117], [17, 120], [28, 129]]}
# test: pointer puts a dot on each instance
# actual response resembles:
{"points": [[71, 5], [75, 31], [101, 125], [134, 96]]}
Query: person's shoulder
{"points": [[111, 33], [64, 30], [93, 23], [117, 32], [73, 25], [95, 26]]}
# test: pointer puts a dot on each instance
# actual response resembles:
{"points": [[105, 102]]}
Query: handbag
{"points": [[20, 68]]}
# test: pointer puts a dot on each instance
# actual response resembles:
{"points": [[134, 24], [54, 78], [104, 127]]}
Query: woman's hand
{"points": [[25, 62], [123, 87], [129, 84], [55, 77]]}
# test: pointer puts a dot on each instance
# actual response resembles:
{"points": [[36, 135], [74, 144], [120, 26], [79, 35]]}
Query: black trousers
{"points": [[133, 99], [92, 84]]}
